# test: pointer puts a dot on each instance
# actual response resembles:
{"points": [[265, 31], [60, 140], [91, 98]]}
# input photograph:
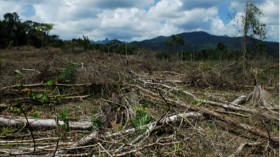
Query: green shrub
{"points": [[68, 74], [141, 118], [63, 115]]}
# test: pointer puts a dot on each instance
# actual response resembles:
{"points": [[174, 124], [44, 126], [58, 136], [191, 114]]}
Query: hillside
{"points": [[202, 40]]}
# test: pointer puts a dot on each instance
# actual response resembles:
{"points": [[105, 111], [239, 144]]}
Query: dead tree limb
{"points": [[213, 114], [43, 123]]}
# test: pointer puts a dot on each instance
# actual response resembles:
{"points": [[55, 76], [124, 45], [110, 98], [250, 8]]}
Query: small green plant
{"points": [[35, 115], [63, 115], [275, 129], [205, 66], [57, 99], [68, 73], [196, 102], [177, 147], [14, 110], [141, 118], [41, 97], [19, 85], [96, 123], [6, 131], [49, 83], [19, 75]]}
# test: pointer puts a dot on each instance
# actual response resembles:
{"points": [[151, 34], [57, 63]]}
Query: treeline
{"points": [[203, 54], [220, 52], [114, 46], [14, 32]]}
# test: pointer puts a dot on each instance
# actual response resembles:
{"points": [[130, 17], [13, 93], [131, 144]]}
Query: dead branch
{"points": [[91, 137], [223, 105], [240, 148], [43, 123], [41, 84], [215, 115]]}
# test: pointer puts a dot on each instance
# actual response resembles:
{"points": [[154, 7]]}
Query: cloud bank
{"points": [[140, 19]]}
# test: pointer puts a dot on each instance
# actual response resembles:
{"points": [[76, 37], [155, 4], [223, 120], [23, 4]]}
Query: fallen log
{"points": [[42, 84], [44, 123]]}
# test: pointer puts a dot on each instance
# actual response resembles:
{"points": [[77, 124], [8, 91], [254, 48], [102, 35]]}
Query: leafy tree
{"points": [[42, 30], [261, 47], [221, 47], [84, 43], [9, 28], [178, 40], [13, 32], [251, 26]]}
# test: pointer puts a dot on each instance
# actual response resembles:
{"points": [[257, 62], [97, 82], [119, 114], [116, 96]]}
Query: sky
{"points": [[135, 20]]}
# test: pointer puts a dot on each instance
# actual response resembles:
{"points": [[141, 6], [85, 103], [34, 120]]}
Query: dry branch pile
{"points": [[184, 124], [147, 111]]}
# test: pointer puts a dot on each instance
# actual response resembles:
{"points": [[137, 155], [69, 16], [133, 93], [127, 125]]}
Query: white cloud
{"points": [[140, 19]]}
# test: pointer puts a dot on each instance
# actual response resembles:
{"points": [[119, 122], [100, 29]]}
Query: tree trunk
{"points": [[244, 52], [245, 31]]}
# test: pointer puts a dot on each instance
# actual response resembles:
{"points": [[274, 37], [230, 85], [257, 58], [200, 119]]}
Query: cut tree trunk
{"points": [[43, 123]]}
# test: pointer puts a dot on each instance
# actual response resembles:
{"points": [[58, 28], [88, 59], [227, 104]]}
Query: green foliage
{"points": [[275, 129], [141, 118], [19, 75], [35, 115], [13, 32], [63, 115], [84, 43], [4, 131], [196, 102], [19, 85], [250, 21], [117, 47], [177, 147], [57, 99], [14, 110], [205, 66], [96, 123], [163, 55], [68, 74], [251, 25], [49, 83], [40, 97]]}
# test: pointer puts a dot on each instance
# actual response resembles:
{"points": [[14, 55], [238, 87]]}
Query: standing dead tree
{"points": [[251, 26]]}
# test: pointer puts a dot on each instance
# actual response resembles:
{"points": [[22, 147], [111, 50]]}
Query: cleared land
{"points": [[94, 103]]}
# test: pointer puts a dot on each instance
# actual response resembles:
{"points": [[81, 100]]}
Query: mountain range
{"points": [[195, 41]]}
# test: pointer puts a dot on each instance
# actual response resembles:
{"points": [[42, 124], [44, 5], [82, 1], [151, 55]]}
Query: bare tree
{"points": [[251, 26]]}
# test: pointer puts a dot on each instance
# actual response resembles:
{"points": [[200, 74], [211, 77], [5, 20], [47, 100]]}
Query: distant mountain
{"points": [[106, 41], [202, 40]]}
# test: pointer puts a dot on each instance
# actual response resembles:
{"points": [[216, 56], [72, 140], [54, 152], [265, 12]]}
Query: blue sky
{"points": [[131, 20]]}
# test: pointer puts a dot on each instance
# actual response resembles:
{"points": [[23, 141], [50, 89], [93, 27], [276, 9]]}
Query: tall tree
{"points": [[178, 40], [222, 49], [11, 24], [13, 32], [251, 26]]}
